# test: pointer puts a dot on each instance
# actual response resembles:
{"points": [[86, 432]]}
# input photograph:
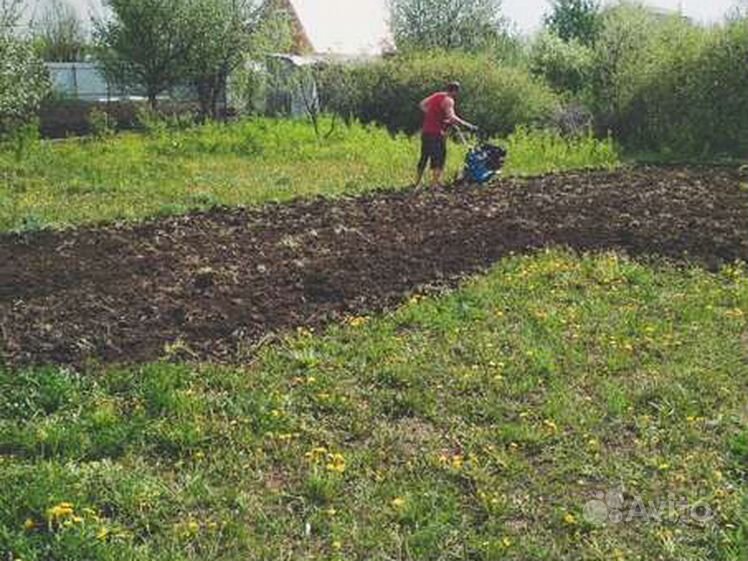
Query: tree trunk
{"points": [[153, 101]]}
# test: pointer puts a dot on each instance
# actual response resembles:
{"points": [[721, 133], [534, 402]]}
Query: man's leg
{"points": [[421, 168], [438, 162], [436, 177], [423, 162]]}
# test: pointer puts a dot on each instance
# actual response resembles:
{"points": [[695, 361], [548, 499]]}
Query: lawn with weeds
{"points": [[134, 176], [558, 408]]}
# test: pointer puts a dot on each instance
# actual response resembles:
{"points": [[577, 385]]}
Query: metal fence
{"points": [[83, 81]]}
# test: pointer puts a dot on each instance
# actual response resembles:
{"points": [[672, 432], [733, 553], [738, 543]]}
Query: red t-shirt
{"points": [[435, 121]]}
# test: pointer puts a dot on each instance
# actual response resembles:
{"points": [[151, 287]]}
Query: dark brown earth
{"points": [[218, 282]]}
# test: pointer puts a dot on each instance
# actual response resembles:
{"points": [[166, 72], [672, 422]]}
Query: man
{"points": [[439, 115]]}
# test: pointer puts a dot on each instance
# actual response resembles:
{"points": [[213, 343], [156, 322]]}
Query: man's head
{"points": [[453, 89]]}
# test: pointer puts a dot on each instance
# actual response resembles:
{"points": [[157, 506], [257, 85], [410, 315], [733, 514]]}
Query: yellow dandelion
{"points": [[29, 524], [357, 321], [338, 545], [398, 502], [59, 512], [570, 519], [316, 453], [102, 534], [336, 463]]}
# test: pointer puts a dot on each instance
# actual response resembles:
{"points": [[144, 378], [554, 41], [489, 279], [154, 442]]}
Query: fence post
{"points": [[75, 81]]}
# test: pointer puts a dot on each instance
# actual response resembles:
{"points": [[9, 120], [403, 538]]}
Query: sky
{"points": [[360, 26]]}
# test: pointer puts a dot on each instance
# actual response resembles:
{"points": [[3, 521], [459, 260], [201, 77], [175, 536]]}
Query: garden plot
{"points": [[214, 284]]}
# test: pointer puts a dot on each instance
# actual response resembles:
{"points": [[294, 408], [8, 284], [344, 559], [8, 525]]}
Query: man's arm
{"points": [[452, 118], [424, 105]]}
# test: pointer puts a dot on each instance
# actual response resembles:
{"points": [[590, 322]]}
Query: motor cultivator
{"points": [[483, 162]]}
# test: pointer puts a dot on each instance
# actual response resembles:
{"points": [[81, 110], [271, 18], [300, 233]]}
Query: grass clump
{"points": [[488, 423], [539, 152]]}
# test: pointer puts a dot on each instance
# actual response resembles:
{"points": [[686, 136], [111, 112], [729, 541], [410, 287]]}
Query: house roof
{"points": [[302, 43]]}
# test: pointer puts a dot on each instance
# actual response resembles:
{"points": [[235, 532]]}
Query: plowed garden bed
{"points": [[211, 285]]}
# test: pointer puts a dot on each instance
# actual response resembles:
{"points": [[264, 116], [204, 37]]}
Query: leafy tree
{"points": [[60, 33], [148, 43], [10, 13], [222, 37], [24, 83], [162, 44], [470, 25], [565, 65], [575, 19], [623, 42], [739, 11], [249, 83]]}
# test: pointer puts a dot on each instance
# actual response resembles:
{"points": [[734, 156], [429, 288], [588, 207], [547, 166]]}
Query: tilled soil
{"points": [[217, 282]]}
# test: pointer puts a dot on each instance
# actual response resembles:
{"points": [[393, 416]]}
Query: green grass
{"points": [[541, 152], [475, 425], [132, 176]]}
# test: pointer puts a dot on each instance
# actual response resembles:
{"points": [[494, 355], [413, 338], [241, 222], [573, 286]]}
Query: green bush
{"points": [[497, 98], [670, 86], [100, 123]]}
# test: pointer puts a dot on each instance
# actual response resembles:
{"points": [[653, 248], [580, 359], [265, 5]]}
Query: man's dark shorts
{"points": [[434, 149]]}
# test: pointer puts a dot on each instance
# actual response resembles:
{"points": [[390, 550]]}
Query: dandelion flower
{"points": [[336, 463], [357, 321], [59, 512], [316, 453], [398, 502]]}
